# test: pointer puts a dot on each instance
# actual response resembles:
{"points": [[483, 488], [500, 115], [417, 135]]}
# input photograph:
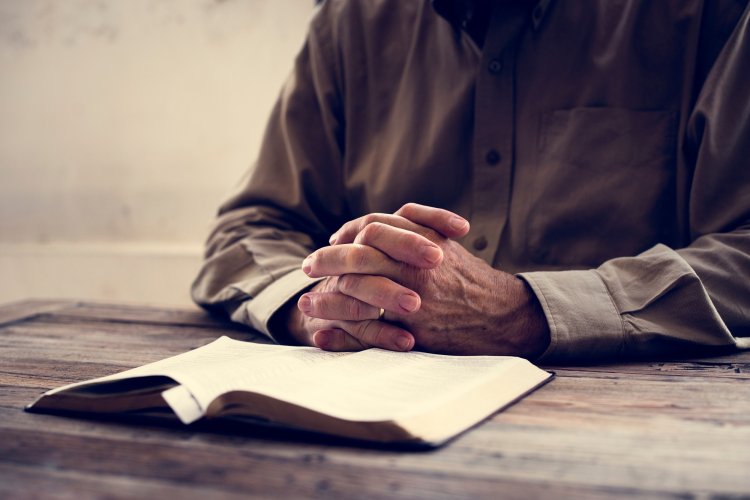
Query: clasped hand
{"points": [[436, 296]]}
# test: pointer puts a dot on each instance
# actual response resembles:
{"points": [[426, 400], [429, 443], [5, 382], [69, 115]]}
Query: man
{"points": [[552, 179]]}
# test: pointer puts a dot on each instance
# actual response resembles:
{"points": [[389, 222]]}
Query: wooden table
{"points": [[661, 429]]}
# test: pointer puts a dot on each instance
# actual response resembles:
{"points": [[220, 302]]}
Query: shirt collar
{"points": [[457, 12]]}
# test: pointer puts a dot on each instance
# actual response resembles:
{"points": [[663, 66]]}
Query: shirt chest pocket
{"points": [[604, 185]]}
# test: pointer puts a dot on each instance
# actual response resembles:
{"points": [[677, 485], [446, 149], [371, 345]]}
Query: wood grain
{"points": [[656, 429], [18, 311]]}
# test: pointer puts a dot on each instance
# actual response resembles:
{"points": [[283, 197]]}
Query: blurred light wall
{"points": [[123, 124]]}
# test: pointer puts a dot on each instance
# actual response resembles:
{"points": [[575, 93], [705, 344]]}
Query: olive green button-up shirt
{"points": [[600, 150]]}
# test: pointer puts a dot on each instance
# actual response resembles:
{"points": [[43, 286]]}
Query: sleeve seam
{"points": [[623, 328], [554, 332]]}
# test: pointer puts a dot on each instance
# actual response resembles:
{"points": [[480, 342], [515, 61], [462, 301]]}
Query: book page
{"points": [[371, 385], [380, 385]]}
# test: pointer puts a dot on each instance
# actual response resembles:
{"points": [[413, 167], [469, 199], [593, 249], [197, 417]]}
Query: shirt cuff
{"points": [[583, 320], [258, 311]]}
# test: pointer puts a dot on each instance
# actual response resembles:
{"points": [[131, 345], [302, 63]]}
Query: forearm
{"points": [[251, 267]]}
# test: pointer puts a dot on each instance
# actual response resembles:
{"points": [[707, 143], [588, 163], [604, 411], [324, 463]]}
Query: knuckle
{"points": [[354, 309], [347, 284], [382, 296], [433, 235], [321, 305], [371, 332], [428, 233], [379, 294], [406, 209], [371, 232], [327, 285], [413, 239], [379, 337], [356, 257], [367, 220], [345, 228], [411, 277]]}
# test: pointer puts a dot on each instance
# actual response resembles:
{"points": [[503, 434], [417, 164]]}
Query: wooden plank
{"points": [[75, 341], [21, 310], [689, 398], [41, 328], [194, 316], [22, 481], [735, 370], [736, 365], [296, 476]]}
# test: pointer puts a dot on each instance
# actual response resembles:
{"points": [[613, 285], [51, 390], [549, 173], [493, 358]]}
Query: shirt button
{"points": [[492, 157], [495, 66], [480, 243]]}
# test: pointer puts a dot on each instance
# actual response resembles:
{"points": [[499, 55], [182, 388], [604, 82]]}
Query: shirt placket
{"points": [[493, 142]]}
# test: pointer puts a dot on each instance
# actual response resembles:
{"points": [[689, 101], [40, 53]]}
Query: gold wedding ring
{"points": [[381, 314]]}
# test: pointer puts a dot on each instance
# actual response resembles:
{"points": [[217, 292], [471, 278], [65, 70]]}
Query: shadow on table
{"points": [[221, 428]]}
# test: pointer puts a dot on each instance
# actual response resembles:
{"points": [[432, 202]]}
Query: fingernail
{"points": [[333, 238], [403, 342], [408, 302], [457, 222], [323, 339], [304, 304], [431, 254], [307, 265]]}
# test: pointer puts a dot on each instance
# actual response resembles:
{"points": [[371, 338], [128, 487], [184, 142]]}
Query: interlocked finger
{"points": [[356, 335], [349, 231], [380, 292], [350, 259], [443, 221], [336, 305], [431, 222], [336, 339], [401, 245]]}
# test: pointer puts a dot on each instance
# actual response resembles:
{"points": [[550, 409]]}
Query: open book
{"points": [[374, 395]]}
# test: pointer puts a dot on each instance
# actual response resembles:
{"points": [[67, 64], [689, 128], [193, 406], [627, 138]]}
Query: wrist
{"points": [[526, 328], [295, 323], [288, 324], [533, 323]]}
